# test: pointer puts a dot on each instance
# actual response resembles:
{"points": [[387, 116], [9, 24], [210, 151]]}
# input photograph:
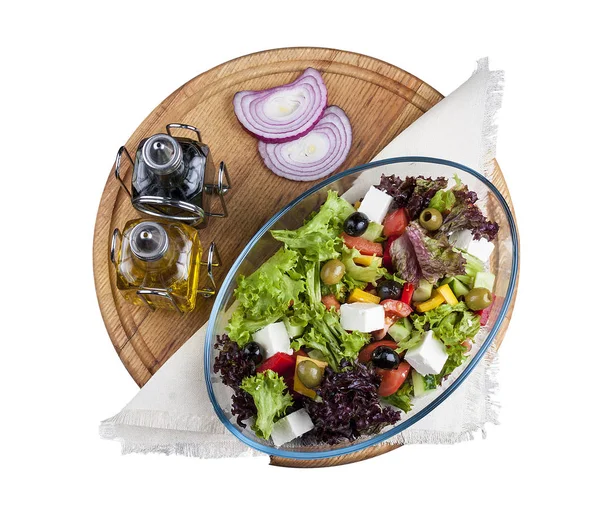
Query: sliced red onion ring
{"points": [[283, 113], [315, 155]]}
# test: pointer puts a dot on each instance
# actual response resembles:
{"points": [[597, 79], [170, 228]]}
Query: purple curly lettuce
{"points": [[350, 405], [417, 256], [465, 214], [412, 193], [233, 367]]}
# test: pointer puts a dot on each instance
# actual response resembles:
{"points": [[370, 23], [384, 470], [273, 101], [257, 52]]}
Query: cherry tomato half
{"points": [[395, 308], [395, 223], [392, 380]]}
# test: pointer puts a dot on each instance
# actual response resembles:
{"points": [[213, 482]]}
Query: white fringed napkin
{"points": [[172, 413]]}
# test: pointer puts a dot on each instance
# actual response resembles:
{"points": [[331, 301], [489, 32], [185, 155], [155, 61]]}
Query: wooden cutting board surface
{"points": [[381, 100]]}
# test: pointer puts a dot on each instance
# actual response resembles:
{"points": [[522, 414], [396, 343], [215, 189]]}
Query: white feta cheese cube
{"points": [[291, 426], [481, 248], [429, 357], [375, 205], [461, 239], [272, 339], [363, 317]]}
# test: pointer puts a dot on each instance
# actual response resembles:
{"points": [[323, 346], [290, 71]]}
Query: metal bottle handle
{"points": [[122, 150], [213, 254], [220, 189], [113, 245], [145, 204], [183, 126]]}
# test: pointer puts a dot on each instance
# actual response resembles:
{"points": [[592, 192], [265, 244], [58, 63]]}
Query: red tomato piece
{"points": [[365, 354], [396, 308], [330, 302], [365, 247], [395, 223], [392, 380]]}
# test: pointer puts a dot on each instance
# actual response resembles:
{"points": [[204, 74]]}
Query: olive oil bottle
{"points": [[158, 264]]}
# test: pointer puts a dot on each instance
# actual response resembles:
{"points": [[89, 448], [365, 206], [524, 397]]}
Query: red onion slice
{"points": [[315, 155], [285, 112]]}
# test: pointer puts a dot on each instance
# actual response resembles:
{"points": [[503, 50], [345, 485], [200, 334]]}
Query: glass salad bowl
{"points": [[352, 185]]}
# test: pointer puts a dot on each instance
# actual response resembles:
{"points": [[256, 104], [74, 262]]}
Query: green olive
{"points": [[431, 219], [310, 374], [478, 298], [332, 271]]}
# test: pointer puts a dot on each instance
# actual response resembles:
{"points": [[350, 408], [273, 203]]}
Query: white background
{"points": [[77, 80]]}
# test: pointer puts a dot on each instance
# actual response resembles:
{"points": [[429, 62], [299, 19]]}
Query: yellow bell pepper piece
{"points": [[357, 205], [366, 260], [430, 304], [446, 292], [360, 296], [299, 387]]}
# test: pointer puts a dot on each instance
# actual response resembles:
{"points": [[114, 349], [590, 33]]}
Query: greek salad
{"points": [[364, 308]]}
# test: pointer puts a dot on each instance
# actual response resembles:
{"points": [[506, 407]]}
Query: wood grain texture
{"points": [[381, 101]]}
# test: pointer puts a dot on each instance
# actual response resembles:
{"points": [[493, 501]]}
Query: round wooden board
{"points": [[381, 101]]}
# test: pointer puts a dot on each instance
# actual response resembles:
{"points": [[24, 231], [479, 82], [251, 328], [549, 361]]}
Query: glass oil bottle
{"points": [[158, 264], [172, 177]]}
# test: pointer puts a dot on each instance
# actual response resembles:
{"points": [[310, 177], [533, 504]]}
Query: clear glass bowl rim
{"points": [[353, 447]]}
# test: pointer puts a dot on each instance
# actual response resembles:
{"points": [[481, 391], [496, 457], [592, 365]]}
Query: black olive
{"points": [[385, 358], [356, 224], [389, 289], [252, 351]]}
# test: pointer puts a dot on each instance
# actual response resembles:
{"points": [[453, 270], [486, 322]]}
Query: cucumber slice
{"points": [[293, 331], [485, 280], [398, 332], [445, 281], [466, 280], [373, 232], [459, 288], [420, 385], [423, 291], [407, 323]]}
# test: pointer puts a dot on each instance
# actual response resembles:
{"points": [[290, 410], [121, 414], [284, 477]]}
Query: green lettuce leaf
{"points": [[443, 200], [325, 334], [265, 295], [318, 239], [339, 290], [402, 398], [357, 275], [268, 392]]}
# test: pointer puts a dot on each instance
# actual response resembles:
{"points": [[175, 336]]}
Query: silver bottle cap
{"points": [[162, 153], [149, 241]]}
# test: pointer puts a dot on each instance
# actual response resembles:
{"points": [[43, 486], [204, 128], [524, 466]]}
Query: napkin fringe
{"points": [[493, 102], [159, 420], [471, 430]]}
